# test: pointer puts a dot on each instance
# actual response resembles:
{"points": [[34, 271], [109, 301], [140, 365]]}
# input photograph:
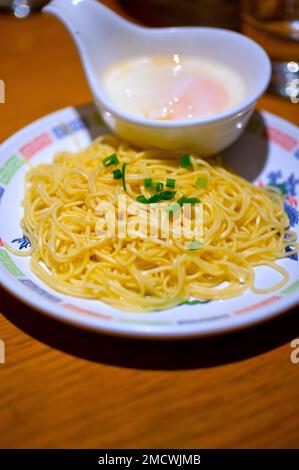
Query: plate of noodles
{"points": [[146, 242]]}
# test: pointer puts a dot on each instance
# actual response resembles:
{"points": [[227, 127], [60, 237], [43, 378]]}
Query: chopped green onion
{"points": [[154, 198], [283, 188], [166, 195], [201, 183], [186, 161], [123, 176], [194, 245], [180, 202], [194, 302], [142, 199], [188, 200], [148, 183], [111, 160], [162, 196], [159, 186], [170, 183], [117, 174]]}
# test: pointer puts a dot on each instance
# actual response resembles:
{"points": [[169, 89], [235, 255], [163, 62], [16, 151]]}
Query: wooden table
{"points": [[62, 387]]}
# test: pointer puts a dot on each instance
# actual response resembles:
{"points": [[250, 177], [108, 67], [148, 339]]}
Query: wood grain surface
{"points": [[62, 387]]}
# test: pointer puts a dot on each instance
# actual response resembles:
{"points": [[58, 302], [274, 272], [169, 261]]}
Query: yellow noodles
{"points": [[244, 226]]}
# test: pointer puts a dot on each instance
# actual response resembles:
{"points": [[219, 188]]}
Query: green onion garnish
{"points": [[117, 174], [123, 176], [188, 200], [180, 202], [194, 245], [186, 161], [167, 195], [283, 188], [159, 186], [142, 199], [201, 183], [170, 183], [111, 160], [162, 196], [194, 302], [148, 183], [155, 198]]}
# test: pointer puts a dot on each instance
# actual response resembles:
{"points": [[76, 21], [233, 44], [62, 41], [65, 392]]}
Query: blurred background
{"points": [[30, 43], [273, 23]]}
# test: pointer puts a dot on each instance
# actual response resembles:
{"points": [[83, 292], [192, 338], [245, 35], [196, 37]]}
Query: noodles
{"points": [[243, 226]]}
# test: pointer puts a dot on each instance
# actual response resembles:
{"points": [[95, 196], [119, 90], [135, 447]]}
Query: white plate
{"points": [[267, 152]]}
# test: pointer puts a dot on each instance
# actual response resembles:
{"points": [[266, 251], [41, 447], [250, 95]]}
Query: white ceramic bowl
{"points": [[103, 38]]}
